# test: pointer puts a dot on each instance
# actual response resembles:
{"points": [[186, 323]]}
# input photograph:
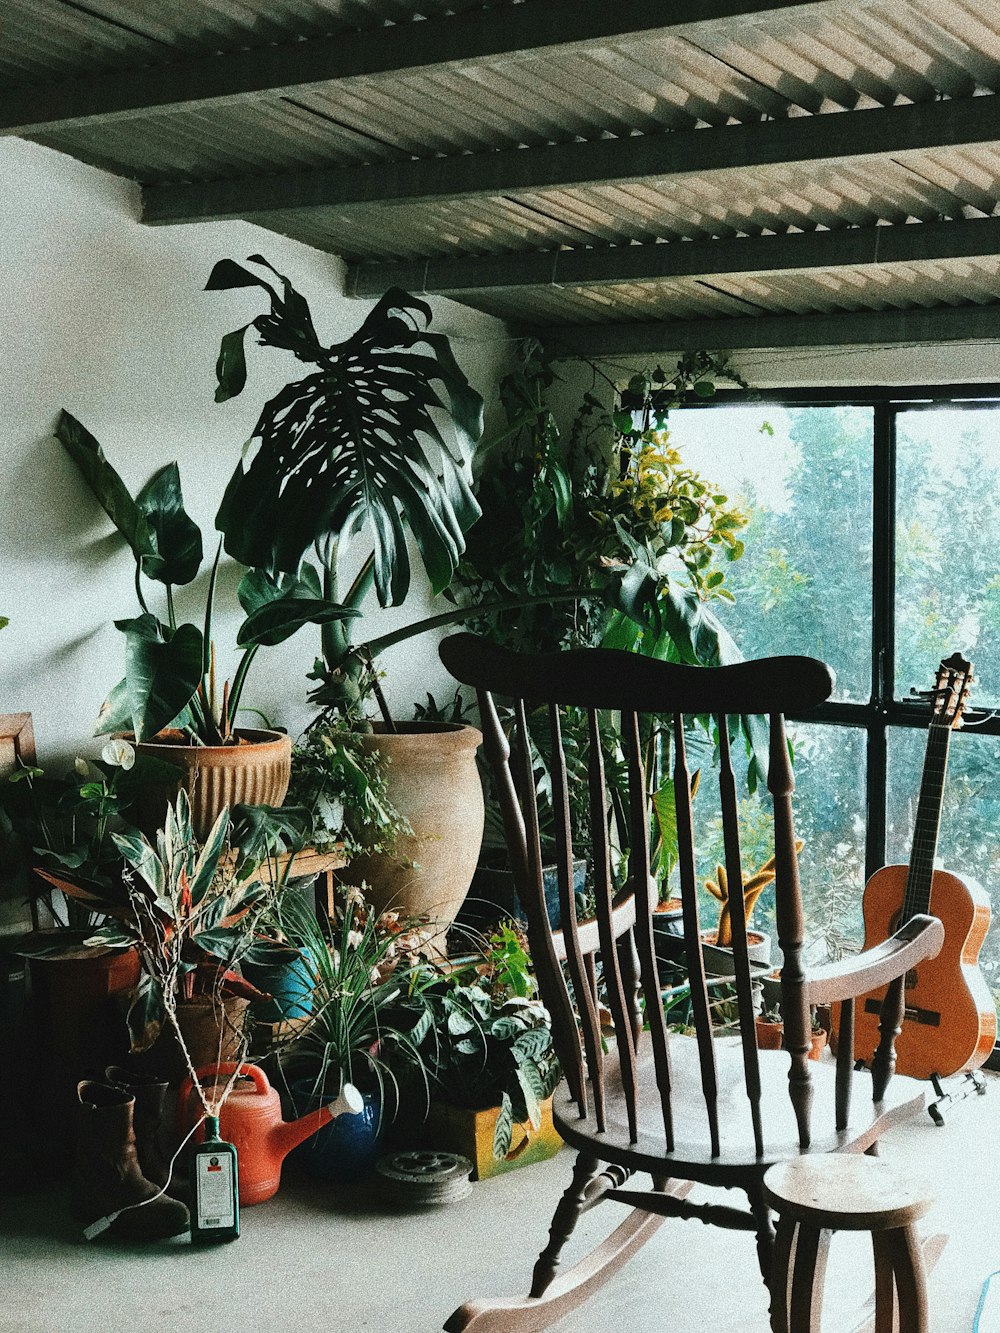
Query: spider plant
{"points": [[369, 1016]]}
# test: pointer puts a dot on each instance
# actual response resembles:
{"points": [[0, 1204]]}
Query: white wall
{"points": [[107, 318]]}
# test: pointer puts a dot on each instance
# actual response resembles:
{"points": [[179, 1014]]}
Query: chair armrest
{"points": [[921, 938]]}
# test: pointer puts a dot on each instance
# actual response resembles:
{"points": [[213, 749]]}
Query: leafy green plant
{"points": [[491, 1041], [52, 828], [606, 506], [170, 676]]}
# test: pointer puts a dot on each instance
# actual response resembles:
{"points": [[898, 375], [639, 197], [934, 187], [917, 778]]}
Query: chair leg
{"points": [[811, 1248], [565, 1218], [568, 1289]]}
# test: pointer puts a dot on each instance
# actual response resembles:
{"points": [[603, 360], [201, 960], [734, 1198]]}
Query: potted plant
{"points": [[366, 1022], [357, 444], [605, 507], [491, 1061], [771, 1028], [170, 700], [189, 910], [52, 826]]}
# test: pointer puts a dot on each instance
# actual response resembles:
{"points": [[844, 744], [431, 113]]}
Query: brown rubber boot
{"points": [[150, 1093], [107, 1179]]}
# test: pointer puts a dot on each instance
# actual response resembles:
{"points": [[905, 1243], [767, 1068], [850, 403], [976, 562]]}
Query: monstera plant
{"points": [[355, 445]]}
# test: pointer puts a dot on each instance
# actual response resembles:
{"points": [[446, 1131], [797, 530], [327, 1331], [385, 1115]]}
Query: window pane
{"points": [[947, 536], [830, 821], [804, 583], [969, 844]]}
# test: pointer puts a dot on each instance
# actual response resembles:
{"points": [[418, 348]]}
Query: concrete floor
{"points": [[311, 1259]]}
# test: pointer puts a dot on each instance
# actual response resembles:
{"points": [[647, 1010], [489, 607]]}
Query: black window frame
{"points": [[884, 710]]}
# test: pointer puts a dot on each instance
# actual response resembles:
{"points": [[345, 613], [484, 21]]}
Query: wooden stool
{"points": [[815, 1196]]}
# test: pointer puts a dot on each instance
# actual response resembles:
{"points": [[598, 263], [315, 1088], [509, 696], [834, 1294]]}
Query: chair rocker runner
{"points": [[679, 1110]]}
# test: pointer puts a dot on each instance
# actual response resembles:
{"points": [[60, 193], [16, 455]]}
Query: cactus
{"points": [[753, 887]]}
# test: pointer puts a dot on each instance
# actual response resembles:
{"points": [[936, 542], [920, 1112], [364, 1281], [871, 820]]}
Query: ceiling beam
{"points": [[846, 247], [193, 82], [868, 328], [800, 139]]}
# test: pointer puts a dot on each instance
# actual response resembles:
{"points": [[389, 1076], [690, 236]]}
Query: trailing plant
{"points": [[342, 785], [170, 668]]}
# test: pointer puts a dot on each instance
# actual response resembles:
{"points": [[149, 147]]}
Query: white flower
{"points": [[82, 767], [355, 939], [119, 753]]}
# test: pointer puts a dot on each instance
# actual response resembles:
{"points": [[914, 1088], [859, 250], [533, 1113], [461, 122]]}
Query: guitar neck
{"points": [[917, 898]]}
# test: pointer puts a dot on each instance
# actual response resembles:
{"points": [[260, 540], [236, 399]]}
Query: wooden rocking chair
{"points": [[680, 1110]]}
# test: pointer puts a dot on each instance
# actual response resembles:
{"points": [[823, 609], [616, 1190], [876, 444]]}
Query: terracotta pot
{"points": [[77, 1024], [254, 773], [433, 780], [211, 1029], [769, 1035]]}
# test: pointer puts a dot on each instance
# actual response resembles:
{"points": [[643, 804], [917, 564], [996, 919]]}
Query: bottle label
{"points": [[214, 1176]]}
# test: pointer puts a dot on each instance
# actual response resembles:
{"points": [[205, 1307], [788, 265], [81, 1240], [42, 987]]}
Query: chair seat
{"points": [[691, 1157]]}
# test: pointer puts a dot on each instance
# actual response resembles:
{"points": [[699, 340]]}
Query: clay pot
{"points": [[76, 1025], [769, 1035], [254, 772], [211, 1028], [433, 781]]}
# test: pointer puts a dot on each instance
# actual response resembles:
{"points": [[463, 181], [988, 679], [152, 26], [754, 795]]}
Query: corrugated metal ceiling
{"points": [[843, 58]]}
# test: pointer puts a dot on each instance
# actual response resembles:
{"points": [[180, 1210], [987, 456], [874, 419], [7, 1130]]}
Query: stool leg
{"points": [[812, 1245], [899, 1266], [784, 1240]]}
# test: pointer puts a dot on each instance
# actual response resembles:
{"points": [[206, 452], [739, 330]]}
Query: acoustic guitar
{"points": [[950, 1020]]}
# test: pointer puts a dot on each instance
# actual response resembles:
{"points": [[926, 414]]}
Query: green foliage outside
{"points": [[804, 585]]}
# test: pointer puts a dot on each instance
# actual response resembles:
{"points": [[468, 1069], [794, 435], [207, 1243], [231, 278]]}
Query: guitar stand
{"points": [[970, 1082]]}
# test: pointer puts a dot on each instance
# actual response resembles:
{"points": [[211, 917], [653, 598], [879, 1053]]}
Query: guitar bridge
{"points": [[927, 1017]]}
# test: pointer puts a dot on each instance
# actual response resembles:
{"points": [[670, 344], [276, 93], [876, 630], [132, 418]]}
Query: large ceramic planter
{"points": [[493, 895], [433, 781], [255, 771], [211, 1028], [283, 974]]}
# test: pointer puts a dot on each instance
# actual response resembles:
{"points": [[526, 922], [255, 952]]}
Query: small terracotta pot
{"points": [[256, 771], [769, 1035]]}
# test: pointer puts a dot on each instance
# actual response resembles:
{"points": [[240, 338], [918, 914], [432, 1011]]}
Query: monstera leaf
{"points": [[353, 445]]}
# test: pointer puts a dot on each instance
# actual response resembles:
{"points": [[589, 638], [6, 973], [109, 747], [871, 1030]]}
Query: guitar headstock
{"points": [[950, 695]]}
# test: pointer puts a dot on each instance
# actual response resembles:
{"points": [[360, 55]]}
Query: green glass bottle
{"points": [[215, 1201]]}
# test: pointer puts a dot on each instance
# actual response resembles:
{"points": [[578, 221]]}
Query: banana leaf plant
{"points": [[170, 676]]}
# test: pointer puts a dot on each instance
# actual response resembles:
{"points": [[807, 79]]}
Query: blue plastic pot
{"points": [[347, 1148], [287, 978]]}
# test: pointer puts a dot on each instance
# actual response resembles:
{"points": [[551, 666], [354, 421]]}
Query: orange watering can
{"points": [[250, 1118]]}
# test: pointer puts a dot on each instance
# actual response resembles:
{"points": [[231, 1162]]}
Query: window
{"points": [[873, 543]]}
